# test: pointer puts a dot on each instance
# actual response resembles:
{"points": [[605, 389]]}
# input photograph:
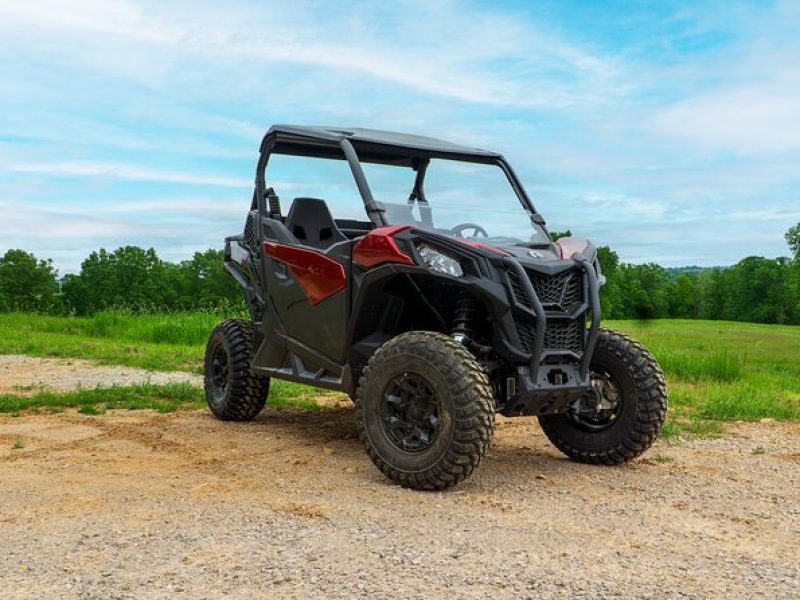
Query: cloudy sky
{"points": [[670, 131]]}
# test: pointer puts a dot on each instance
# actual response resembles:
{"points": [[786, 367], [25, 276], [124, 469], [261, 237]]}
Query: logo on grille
{"points": [[535, 254]]}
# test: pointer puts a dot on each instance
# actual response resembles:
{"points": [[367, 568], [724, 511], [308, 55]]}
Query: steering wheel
{"points": [[459, 229]]}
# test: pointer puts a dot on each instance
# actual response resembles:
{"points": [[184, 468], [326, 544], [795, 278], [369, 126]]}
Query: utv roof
{"points": [[371, 145]]}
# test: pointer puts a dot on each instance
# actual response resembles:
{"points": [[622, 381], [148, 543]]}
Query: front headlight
{"points": [[439, 261]]}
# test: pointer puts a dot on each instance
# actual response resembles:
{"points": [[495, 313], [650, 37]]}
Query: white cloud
{"points": [[25, 223], [752, 118], [767, 214], [226, 207], [623, 204], [743, 98], [459, 52], [108, 17], [125, 171]]}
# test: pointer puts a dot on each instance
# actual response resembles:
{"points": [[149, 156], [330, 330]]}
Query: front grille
{"points": [[561, 291], [564, 335], [559, 294], [558, 335], [527, 335]]}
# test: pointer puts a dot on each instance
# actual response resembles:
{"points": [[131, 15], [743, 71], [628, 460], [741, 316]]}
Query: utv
{"points": [[436, 307]]}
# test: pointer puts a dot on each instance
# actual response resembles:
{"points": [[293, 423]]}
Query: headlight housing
{"points": [[438, 261]]}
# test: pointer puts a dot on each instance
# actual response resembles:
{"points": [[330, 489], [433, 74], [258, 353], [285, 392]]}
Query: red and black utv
{"points": [[444, 302]]}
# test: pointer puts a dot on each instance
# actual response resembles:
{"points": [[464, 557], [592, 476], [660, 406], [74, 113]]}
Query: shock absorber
{"points": [[463, 317]]}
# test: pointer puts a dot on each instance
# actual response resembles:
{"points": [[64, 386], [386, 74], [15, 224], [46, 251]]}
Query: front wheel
{"points": [[425, 410], [622, 414]]}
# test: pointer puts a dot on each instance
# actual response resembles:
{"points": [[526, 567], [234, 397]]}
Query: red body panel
{"points": [[378, 247], [320, 276]]}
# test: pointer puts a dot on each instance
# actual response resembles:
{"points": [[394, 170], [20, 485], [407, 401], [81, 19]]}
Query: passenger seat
{"points": [[310, 221]]}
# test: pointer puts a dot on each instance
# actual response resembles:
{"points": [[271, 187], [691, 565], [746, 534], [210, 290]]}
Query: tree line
{"points": [[756, 289], [129, 277]]}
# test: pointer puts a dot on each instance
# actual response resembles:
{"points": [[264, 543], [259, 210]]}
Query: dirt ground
{"points": [[135, 504]]}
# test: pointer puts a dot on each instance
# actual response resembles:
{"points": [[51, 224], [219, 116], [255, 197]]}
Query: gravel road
{"points": [[27, 374], [135, 504]]}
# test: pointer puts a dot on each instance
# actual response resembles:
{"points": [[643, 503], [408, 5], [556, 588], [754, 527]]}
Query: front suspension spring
{"points": [[464, 317]]}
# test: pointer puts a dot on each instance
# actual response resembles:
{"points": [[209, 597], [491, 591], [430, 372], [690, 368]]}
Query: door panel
{"points": [[309, 291]]}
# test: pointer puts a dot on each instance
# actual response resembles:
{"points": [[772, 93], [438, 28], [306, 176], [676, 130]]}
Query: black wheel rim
{"points": [[600, 407], [219, 372], [410, 413]]}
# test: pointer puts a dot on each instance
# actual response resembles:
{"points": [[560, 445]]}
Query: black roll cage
{"points": [[380, 147]]}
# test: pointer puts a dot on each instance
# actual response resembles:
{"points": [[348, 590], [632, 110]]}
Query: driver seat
{"points": [[310, 221]]}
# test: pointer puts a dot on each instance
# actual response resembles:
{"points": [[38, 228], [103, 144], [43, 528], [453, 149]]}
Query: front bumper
{"points": [[552, 330]]}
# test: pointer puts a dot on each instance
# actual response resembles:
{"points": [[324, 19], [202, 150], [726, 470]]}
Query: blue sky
{"points": [[669, 131]]}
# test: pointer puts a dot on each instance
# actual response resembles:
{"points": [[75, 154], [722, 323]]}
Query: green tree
{"points": [[26, 283], [644, 291], [712, 294], [794, 289], [793, 239], [683, 297], [557, 235], [759, 291], [203, 281], [610, 299], [129, 277]]}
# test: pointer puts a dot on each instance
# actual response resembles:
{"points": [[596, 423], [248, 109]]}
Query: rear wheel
{"points": [[623, 413], [233, 392], [425, 411]]}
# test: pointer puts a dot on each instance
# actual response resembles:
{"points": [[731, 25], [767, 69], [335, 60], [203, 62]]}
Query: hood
{"points": [[564, 249]]}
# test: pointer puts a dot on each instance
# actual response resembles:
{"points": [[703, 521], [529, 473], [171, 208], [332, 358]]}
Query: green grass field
{"points": [[723, 371], [168, 342], [717, 371]]}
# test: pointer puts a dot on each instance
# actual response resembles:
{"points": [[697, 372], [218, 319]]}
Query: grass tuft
{"points": [[678, 427], [704, 429], [284, 394], [163, 398], [671, 430]]}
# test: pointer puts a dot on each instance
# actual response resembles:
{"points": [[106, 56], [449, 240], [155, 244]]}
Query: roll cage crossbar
{"points": [[380, 147]]}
